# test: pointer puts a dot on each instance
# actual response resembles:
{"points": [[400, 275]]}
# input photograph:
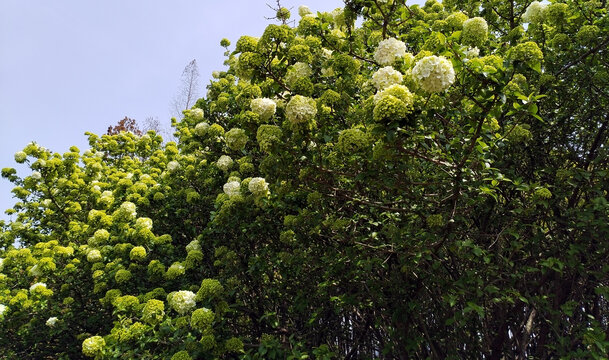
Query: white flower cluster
{"points": [[389, 50], [36, 175], [173, 166], [94, 256], [296, 72], [183, 301], [37, 285], [129, 208], [534, 13], [472, 53], [201, 128], [258, 186], [107, 197], [143, 223], [197, 114], [2, 309], [304, 10], [1, 264], [93, 346], [386, 76], [224, 162], [232, 188], [300, 109], [51, 321], [193, 245], [264, 107], [434, 73], [20, 156]]}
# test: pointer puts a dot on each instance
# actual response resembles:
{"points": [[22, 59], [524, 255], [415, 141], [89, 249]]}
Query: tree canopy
{"points": [[429, 183]]}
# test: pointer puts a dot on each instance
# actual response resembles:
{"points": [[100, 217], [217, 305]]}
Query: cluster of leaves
{"points": [[310, 208]]}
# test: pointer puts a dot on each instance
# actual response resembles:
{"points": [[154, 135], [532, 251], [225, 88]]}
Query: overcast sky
{"points": [[71, 66]]}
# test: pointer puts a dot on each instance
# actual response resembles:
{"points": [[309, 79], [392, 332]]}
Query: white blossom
{"points": [[173, 166], [94, 256], [51, 321], [2, 309], [224, 162], [37, 285], [472, 53], [300, 109], [264, 107], [434, 73], [534, 13], [389, 50], [258, 186], [20, 156], [385, 77], [129, 208], [232, 188], [183, 301], [36, 175], [304, 10]]}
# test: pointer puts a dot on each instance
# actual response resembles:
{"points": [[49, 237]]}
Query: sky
{"points": [[72, 66]]}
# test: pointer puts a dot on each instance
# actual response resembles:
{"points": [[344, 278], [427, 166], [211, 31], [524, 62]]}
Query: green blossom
{"points": [[475, 32], [202, 319], [93, 346]]}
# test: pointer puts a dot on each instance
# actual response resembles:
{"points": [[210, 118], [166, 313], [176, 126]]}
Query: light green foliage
{"points": [[334, 196]]}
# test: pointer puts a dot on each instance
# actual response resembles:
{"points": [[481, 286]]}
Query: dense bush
{"points": [[430, 184]]}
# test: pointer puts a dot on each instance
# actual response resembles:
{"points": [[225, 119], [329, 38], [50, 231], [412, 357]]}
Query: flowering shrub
{"points": [[389, 50], [434, 73], [334, 196]]}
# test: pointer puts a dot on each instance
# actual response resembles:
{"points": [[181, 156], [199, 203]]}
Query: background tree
{"points": [[126, 124], [188, 92]]}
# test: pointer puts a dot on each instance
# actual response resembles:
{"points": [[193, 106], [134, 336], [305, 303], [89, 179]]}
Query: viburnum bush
{"points": [[431, 183]]}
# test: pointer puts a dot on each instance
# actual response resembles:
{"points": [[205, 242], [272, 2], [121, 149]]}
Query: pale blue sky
{"points": [[71, 66]]}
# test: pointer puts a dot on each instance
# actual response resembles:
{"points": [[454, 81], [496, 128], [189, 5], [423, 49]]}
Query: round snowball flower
{"points": [[304, 10], [1, 263], [201, 128], [434, 73], [232, 188], [94, 256], [197, 114], [3, 309], [36, 175], [475, 31], [300, 109], [296, 72], [51, 321], [143, 223], [224, 162], [129, 208], [264, 107], [534, 13], [173, 166], [385, 77], [258, 186], [93, 345], [183, 301], [389, 50], [20, 156]]}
